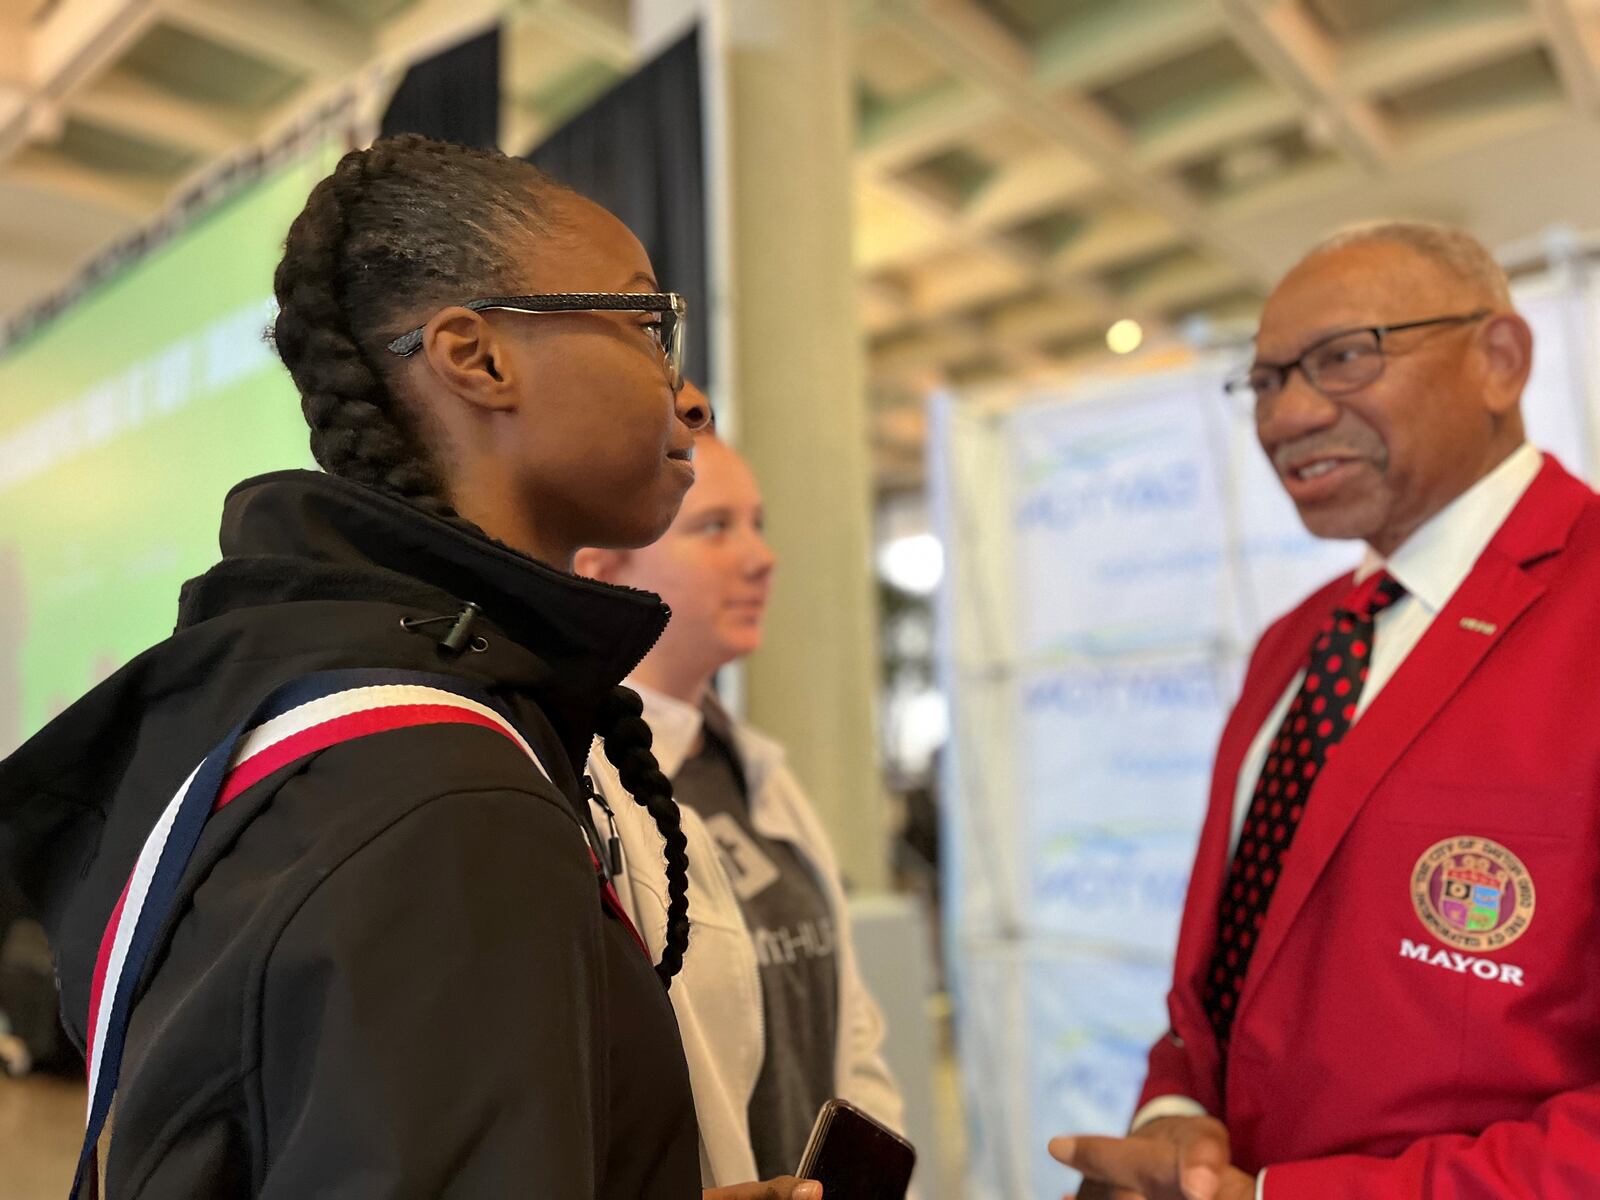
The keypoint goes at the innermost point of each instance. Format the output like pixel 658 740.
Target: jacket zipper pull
pixel 456 640
pixel 613 843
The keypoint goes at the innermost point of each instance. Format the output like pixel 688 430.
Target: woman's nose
pixel 693 409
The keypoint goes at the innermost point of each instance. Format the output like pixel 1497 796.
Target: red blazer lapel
pixel 1491 599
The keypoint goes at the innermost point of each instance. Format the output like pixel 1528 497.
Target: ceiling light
pixel 914 563
pixel 1125 336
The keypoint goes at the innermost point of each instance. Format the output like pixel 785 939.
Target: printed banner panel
pixel 1118 525
pixel 1115 770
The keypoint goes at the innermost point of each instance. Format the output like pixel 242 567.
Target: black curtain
pixel 638 152
pixel 453 96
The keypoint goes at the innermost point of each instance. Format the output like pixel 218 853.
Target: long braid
pixel 396 228
pixel 627 742
pixel 356 431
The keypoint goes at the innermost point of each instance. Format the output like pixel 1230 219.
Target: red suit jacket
pixel 1422 1013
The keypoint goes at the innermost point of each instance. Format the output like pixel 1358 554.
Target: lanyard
pixel 297 720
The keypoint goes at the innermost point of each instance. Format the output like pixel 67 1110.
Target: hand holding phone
pixel 855 1157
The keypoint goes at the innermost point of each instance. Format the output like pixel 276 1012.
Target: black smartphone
pixel 854 1157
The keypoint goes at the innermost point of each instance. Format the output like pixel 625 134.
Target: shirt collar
pixel 1432 562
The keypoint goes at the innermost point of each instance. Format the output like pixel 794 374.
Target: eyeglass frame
pixel 1241 383
pixel 547 303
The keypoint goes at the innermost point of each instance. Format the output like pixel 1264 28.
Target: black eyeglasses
pixel 1337 365
pixel 667 332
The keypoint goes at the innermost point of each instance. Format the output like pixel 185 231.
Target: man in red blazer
pixel 1388 972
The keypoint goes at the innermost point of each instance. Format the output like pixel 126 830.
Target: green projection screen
pixel 123 423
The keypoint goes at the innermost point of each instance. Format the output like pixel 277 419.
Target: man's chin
pixel 1335 524
pixel 740 641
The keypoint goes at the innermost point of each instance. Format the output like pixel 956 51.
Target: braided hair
pixel 407 223
pixel 627 745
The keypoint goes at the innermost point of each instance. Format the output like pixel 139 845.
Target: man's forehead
pixel 1363 284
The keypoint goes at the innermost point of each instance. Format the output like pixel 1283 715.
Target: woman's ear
pixel 462 349
pixel 604 565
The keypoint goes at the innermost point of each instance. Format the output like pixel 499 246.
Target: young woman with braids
pixel 390 970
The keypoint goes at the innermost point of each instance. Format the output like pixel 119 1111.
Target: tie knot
pixel 1372 595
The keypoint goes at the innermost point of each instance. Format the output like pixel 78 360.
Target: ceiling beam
pixel 1573 50
pixel 1116 236
pixel 938 344
pixel 430 26
pixel 919 128
pixel 1248 112
pixel 15 37
pixel 1122 39
pixel 40 258
pixel 1047 319
pixel 288 32
pixel 123 101
pixel 593 34
pixel 1289 48
pixel 882 303
pixel 1441 137
pixel 13 115
pixel 956 230
pixel 77 38
pixel 1186 283
pixel 1426 50
pixel 1030 186
pixel 21 12
pixel 55 174
pixel 1300 184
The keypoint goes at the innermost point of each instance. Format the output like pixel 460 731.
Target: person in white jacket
pixel 774 1015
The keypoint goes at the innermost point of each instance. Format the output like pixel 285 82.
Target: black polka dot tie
pixel 1318 718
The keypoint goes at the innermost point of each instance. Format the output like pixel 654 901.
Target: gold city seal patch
pixel 1472 893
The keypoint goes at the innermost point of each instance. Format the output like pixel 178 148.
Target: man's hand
pixel 1093 1189
pixel 1171 1158
pixel 786 1187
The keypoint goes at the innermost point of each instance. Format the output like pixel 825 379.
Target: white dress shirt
pixel 1431 564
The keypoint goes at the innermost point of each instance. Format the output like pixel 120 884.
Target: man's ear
pixel 464 351
pixel 1508 357
pixel 604 565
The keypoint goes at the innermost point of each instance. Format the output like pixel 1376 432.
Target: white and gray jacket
pixel 717 996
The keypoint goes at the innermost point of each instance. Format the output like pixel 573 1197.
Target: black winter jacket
pixel 389 973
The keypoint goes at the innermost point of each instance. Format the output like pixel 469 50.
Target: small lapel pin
pixel 1473 625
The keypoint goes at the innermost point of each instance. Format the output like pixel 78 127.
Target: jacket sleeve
pixel 1170 1072
pixel 428 1016
pixel 1554 1155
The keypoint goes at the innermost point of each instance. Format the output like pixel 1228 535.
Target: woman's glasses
pixel 668 332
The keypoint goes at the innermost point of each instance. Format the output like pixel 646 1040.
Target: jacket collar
pixel 1542 521
pixel 291 531
pixel 1434 560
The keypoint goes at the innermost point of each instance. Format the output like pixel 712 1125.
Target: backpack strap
pixel 299 719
